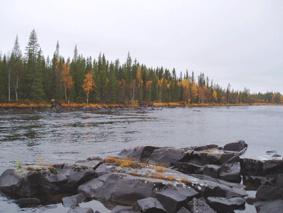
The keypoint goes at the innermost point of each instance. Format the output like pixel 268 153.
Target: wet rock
pixel 279 180
pixel 236 146
pixel 48 183
pixel 216 188
pixel 174 198
pixel 166 156
pixel 272 166
pixel 11 183
pixel 123 209
pixel 138 153
pixel 269 192
pixel 199 205
pixel 269 206
pixel 183 210
pixel 89 163
pixel 118 188
pixel 81 210
pixel 253 182
pixel 73 201
pixel 225 205
pixel 231 172
pixel 211 170
pixel 149 205
pixel 189 167
pixel 251 167
pixel 103 169
pixel 28 202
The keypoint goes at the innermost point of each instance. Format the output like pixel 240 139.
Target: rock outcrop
pixel 151 179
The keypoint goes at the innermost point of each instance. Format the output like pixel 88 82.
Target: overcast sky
pixel 236 41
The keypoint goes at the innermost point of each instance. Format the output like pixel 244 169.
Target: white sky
pixel 236 41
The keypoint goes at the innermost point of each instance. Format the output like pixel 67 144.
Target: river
pixel 42 136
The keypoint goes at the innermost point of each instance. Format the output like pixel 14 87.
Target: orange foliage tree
pixel 88 84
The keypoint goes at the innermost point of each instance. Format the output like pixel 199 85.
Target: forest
pixel 29 76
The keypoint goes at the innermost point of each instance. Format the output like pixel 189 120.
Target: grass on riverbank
pixel 23 105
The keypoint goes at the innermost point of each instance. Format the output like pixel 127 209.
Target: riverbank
pixel 42 105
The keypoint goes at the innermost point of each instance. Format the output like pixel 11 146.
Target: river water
pixel 42 136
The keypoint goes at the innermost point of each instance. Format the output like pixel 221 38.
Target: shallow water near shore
pixel 43 136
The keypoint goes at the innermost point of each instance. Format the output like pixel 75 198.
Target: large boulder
pixel 120 189
pixel 269 192
pixel 225 205
pixel 166 156
pixel 269 206
pixel 73 201
pixel 174 198
pixel 236 146
pixel 47 183
pixel 149 205
pixel 199 205
pixel 231 172
pixel 140 153
pixel 80 210
pixel 11 184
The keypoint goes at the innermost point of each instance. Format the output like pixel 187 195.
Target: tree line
pixel 31 76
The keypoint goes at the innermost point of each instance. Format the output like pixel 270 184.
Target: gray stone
pixel 269 206
pixel 73 201
pixel 221 204
pixel 231 172
pixel 199 206
pixel 149 205
pixel 80 210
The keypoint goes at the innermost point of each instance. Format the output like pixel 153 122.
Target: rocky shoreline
pixel 153 179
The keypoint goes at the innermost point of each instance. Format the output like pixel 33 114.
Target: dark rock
pixel 118 188
pixel 28 202
pixel 272 166
pixel 90 163
pixel 74 200
pixel 269 192
pixel 269 206
pixel 123 209
pixel 205 147
pixel 183 210
pixel 103 169
pixel 251 200
pixel 174 198
pixel 236 146
pixel 199 205
pixel 253 182
pixel 47 183
pixel 10 183
pixel 251 167
pixel 217 188
pixel 189 167
pixel 80 210
pixel 279 180
pixel 211 170
pixel 138 153
pixel 231 172
pixel 166 156
pixel 221 204
pixel 149 205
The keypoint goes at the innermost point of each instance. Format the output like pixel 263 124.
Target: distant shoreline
pixel 44 105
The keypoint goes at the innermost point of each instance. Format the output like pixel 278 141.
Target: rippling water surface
pixel 30 137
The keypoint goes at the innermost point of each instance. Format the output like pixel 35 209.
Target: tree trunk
pixel 66 98
pixel 87 98
pixel 16 89
pixel 9 85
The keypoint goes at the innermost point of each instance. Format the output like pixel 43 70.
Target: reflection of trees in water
pixel 22 128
